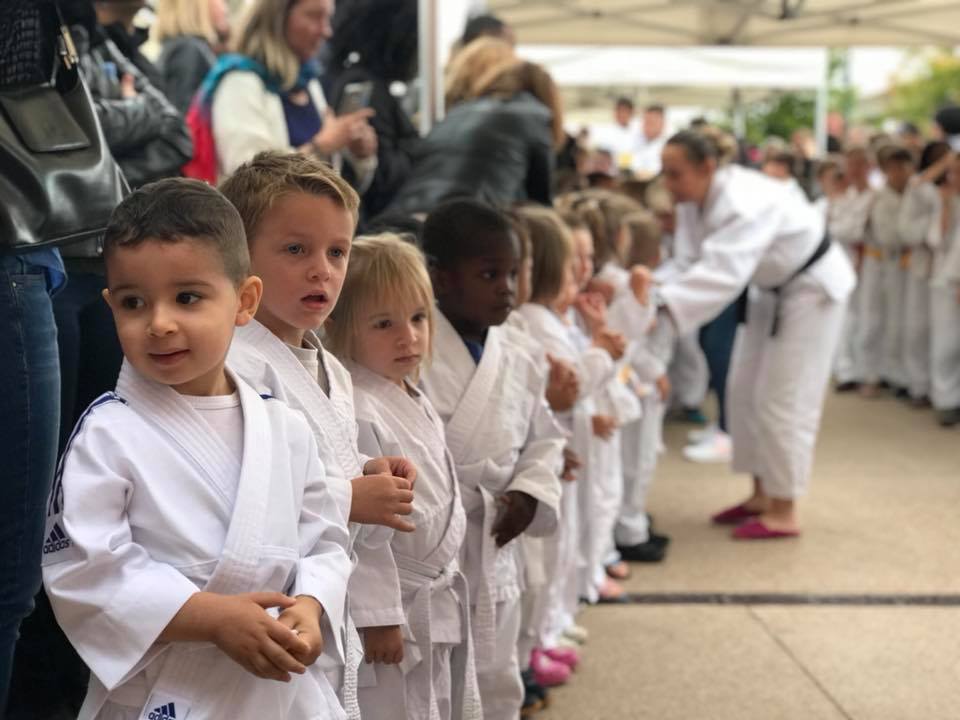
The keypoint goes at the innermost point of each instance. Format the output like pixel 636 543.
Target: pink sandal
pixel 546 671
pixel 756 530
pixel 735 515
pixel 567 656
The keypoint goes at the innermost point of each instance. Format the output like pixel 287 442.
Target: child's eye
pixel 131 303
pixel 489 275
pixel 337 252
pixel 420 317
pixel 187 298
pixel 295 249
pixel 382 324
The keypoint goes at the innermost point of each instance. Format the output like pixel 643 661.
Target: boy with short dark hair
pixel 187 506
pixel 507 449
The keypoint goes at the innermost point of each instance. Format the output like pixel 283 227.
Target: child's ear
pixel 249 294
pixel 441 280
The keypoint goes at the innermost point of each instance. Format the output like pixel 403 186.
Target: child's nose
pixel 320 269
pixel 161 322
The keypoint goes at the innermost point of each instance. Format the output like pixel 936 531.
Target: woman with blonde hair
pixel 266 95
pixel 472 63
pixel 188 31
pixel 497 144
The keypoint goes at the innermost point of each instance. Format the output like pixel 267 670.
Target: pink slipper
pixel 756 530
pixel 735 515
pixel 548 672
pixel 566 655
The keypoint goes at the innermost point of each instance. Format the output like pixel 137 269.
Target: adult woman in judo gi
pixel 754 239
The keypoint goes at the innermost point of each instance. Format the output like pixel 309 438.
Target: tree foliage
pixel 937 84
pixel 780 115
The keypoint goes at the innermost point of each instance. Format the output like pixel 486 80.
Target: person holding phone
pixel 266 95
pixel 368 56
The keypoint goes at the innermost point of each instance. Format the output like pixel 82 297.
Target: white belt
pixel 428 580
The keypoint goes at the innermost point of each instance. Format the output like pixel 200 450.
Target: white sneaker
pixel 716 449
pixel 700 435
pixel 577 633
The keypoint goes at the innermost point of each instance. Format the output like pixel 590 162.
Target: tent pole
pixel 431 74
pixel 739 116
pixel 822 108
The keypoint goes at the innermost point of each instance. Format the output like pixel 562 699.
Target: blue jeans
pixel 716 340
pixel 90 354
pixel 29 413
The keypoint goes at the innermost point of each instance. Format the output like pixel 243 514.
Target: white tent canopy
pixel 766 68
pixel 809 23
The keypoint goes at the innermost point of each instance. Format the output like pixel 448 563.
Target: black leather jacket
pixel 498 151
pixel 184 61
pixel 146 134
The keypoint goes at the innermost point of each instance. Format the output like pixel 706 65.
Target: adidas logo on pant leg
pixel 164 712
pixel 56 540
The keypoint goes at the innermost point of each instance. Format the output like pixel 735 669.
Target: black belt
pixel 742 301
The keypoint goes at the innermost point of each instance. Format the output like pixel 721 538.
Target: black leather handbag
pixel 58 181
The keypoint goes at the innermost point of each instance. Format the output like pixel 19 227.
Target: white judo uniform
pixel 503 438
pixel 539 555
pixel 151 506
pixel 749 232
pixel 882 282
pixel 848 225
pixel 917 215
pixel 945 308
pixel 374 597
pixel 688 370
pixel 622 399
pixel 575 545
pixel 649 355
pixel 437 679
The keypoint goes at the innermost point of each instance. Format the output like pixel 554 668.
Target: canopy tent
pixel 709 77
pixel 766 68
pixel 809 23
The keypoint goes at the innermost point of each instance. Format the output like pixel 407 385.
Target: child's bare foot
pixel 618 571
pixel 611 592
pixel 870 390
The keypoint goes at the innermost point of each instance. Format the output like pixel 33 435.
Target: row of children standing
pixel 346 478
pixel 901 331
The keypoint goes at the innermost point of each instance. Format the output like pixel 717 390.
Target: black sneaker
pixel 648 552
pixel 949 418
pixel 535 696
pixel 661 540
pixel 901 393
pixel 846 387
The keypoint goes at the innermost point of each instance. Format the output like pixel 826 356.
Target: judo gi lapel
pixel 323 413
pixel 469 412
pixel 241 550
pixel 168 410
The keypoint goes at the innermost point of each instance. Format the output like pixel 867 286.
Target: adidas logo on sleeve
pixel 164 712
pixel 57 540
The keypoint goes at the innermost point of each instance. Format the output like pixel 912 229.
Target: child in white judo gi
pixel 300 217
pixel 882 281
pixel 554 290
pixel 197 555
pixel 506 446
pixel 381 330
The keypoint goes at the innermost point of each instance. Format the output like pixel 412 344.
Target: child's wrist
pixel 313 603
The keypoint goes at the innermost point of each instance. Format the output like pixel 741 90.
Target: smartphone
pixel 356 96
